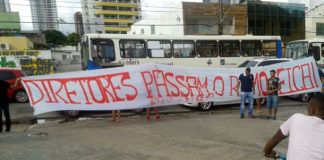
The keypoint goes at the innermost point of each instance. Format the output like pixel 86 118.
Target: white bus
pixel 112 50
pixel 305 48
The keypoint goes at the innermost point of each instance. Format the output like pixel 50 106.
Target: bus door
pixel 315 50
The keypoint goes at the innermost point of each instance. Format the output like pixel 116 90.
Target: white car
pixel 249 63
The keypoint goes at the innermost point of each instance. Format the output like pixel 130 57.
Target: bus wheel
pixel 305 97
pixel 205 106
pixel 72 113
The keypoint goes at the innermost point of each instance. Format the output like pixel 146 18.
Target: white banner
pixel 150 85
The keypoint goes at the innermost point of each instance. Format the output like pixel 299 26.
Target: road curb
pixel 33 119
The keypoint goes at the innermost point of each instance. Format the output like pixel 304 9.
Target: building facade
pixel 270 18
pixel 315 3
pixel 78 23
pixel 206 19
pixel 44 15
pixel 4 6
pixel 9 21
pixel 110 16
pixel 315 22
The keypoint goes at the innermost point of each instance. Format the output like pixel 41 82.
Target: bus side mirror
pixel 316 53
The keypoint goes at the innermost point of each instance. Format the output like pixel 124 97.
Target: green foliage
pixel 73 39
pixel 54 37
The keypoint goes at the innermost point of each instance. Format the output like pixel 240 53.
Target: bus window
pixel 229 48
pixel 103 50
pixel 251 48
pixel 132 48
pixel 183 49
pixel 207 48
pixel 159 49
pixel 269 48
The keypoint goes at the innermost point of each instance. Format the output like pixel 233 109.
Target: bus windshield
pixel 297 50
pixel 102 50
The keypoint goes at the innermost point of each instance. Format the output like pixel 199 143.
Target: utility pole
pixel 221 19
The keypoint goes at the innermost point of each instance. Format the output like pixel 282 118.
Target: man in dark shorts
pixel 4 103
pixel 247 91
pixel 273 86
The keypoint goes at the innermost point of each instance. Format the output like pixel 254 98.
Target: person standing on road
pixel 306 140
pixel 148 112
pixel 116 116
pixel 4 103
pixel 273 86
pixel 246 81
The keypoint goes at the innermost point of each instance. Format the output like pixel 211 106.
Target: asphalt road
pixel 217 134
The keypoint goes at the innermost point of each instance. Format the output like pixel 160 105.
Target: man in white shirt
pixel 306 134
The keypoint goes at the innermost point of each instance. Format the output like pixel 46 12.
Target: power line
pixel 165 25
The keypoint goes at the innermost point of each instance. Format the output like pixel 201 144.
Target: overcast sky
pixel 66 10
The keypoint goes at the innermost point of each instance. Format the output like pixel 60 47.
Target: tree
pixel 54 37
pixel 73 39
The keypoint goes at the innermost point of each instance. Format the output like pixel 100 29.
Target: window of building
pixel 229 48
pixel 269 48
pixel 251 48
pixel 207 48
pixel 320 29
pixel 132 48
pixel 159 49
pixel 183 49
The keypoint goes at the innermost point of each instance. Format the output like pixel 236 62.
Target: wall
pixel 17 43
pixel 31 64
pixel 11 17
pixel 203 19
pixel 314 16
pixel 66 55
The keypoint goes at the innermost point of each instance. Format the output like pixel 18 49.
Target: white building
pixel 315 22
pixel 110 16
pixel 66 55
pixel 172 25
pixel 315 3
pixel 168 21
pixel 4 6
pixel 44 15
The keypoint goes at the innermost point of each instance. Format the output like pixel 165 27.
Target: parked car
pixel 10 75
pixel 249 63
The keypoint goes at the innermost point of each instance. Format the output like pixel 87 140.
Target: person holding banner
pixel 4 103
pixel 273 86
pixel 305 132
pixel 246 81
pixel 148 112
pixel 116 116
